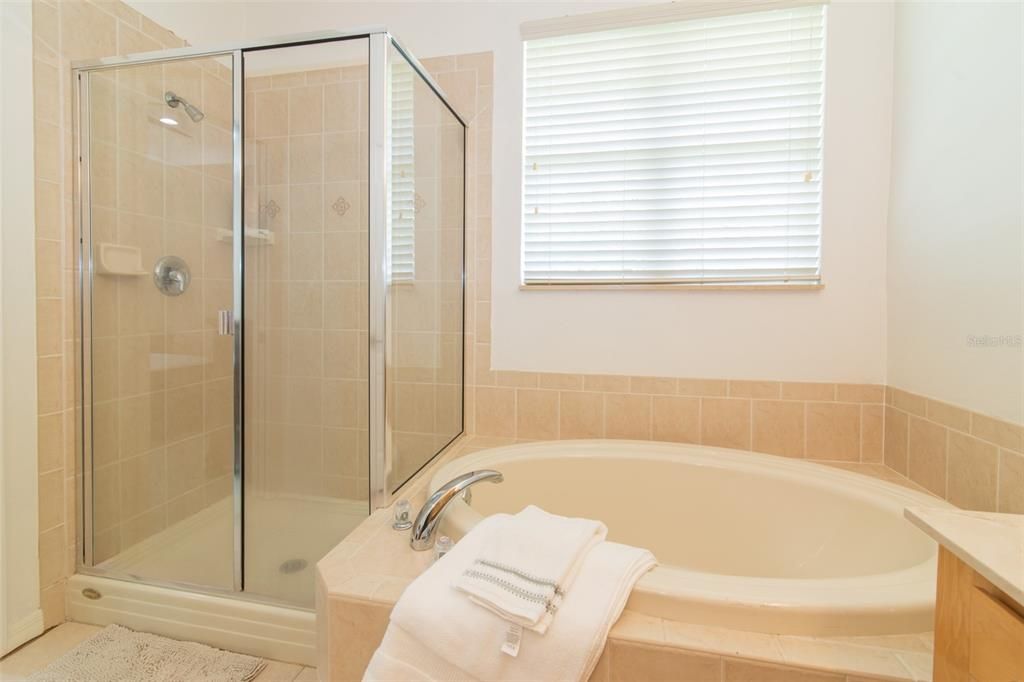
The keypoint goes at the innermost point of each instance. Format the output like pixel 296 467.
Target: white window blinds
pixel 403 174
pixel 683 152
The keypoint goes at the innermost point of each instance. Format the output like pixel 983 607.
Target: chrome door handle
pixel 225 322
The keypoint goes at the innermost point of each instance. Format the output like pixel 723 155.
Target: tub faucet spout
pixel 425 525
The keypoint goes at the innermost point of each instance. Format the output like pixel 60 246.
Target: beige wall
pixel 64 31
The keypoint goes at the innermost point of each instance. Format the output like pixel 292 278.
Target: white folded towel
pixel 437 634
pixel 523 572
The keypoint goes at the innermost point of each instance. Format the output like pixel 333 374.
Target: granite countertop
pixel 992 544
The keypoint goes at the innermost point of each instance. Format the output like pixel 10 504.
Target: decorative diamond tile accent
pixel 341 206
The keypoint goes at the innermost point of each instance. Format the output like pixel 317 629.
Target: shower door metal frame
pixel 379 451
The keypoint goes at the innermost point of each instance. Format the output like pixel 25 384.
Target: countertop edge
pixel 932 526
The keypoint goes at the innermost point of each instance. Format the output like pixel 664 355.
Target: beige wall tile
pixel 50 387
pixel 927 455
pixel 754 389
pixel 872 432
pixel 949 415
pixel 634 662
pixel 996 431
pixel 305 110
pixel 778 427
pixel 973 470
pixel 565 382
pixel 515 379
pixel 895 441
pixel 51 442
pixel 702 387
pixel 580 415
pixel 725 422
pixel 652 385
pixel 860 393
pixel 735 670
pixel 833 431
pixel 51 499
pixel 910 402
pixel 606 382
pixel 52 602
pixel 495 411
pixel 676 419
pixel 536 414
pixel 808 391
pixel 353 632
pixel 52 556
pixel 627 416
pixel 1011 482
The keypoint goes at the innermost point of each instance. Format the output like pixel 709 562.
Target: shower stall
pixel 271 306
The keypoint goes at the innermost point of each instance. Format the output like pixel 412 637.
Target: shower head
pixel 194 112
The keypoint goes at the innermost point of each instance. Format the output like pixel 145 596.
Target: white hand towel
pixel 523 572
pixel 436 633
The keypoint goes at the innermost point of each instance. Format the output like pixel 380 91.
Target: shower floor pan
pixel 196 551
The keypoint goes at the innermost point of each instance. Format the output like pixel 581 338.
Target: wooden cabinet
pixel 979 631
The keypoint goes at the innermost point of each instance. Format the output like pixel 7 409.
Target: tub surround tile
pixel 971 459
pixel 734 670
pixel 927 455
pixel 778 427
pixel 627 416
pixel 833 431
pixel 808 391
pixel 872 432
pixel 843 657
pixel 972 467
pixel 755 389
pixel 860 393
pixel 676 419
pixel 725 422
pixel 1011 483
pixel 630 662
pixel 897 426
pixel 581 415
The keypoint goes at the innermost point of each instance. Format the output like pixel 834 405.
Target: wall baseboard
pixel 25 629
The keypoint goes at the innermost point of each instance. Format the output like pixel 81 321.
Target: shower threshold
pixel 191 552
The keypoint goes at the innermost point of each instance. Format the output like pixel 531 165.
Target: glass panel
pixel 306 312
pixel 425 311
pixel 159 146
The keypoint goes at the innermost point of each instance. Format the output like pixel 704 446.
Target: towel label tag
pixel 513 637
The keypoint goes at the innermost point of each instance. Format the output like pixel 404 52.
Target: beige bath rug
pixel 117 654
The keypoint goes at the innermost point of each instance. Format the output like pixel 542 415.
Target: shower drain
pixel 292 566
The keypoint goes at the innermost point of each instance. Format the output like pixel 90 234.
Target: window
pixel 683 152
pixel 403 174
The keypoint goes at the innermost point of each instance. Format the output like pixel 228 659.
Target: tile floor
pixel 36 654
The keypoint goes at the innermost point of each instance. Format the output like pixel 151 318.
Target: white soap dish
pixel 117 259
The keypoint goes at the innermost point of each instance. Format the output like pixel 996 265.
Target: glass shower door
pixel 306 314
pixel 158 283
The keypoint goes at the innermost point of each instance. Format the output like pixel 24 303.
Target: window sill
pixel 673 287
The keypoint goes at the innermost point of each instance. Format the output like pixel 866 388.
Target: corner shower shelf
pixel 252 234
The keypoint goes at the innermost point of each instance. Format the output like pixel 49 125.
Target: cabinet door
pixel 996 640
